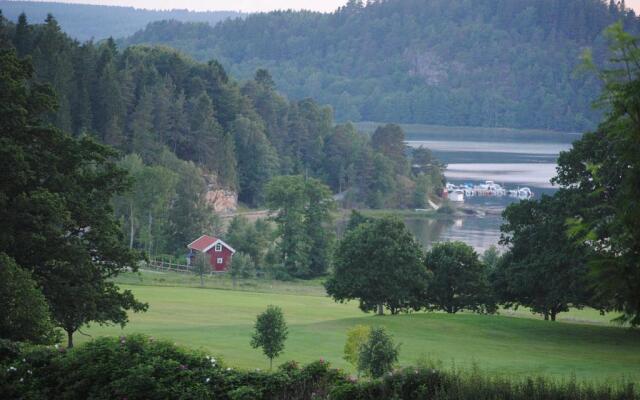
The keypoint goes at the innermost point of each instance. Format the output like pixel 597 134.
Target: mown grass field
pixel 220 321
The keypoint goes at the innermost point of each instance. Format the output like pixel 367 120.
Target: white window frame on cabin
pixel 218 247
pixel 219 261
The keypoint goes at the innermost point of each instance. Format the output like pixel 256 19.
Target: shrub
pixel 25 313
pixel 138 367
pixel 356 337
pixel 378 354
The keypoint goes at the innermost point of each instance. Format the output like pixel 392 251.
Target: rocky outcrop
pixel 222 201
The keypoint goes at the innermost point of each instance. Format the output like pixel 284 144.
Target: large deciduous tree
pixel 379 263
pixel 603 170
pixel 458 280
pixel 544 269
pixel 55 207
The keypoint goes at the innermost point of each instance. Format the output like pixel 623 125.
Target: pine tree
pixel 22 39
pixel 142 138
pixel 257 161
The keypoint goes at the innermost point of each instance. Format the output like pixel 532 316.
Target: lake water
pixel 511 160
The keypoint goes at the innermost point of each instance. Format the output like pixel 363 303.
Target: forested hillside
pixel 85 21
pixel 507 63
pixel 187 128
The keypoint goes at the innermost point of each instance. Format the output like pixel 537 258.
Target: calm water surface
pixel 513 162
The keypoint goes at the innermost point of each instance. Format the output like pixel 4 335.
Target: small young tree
pixel 241 267
pixel 378 354
pixel 270 333
pixel 356 338
pixel 201 267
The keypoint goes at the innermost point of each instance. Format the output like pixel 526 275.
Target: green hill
pixel 507 63
pixel 85 21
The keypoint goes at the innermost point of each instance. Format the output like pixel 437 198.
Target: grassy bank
pixel 222 281
pixel 221 322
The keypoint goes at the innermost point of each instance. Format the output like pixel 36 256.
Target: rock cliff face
pixel 220 199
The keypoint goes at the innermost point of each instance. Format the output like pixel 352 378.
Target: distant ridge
pixel 489 63
pixel 86 21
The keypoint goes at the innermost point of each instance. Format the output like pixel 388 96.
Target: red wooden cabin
pixel 218 252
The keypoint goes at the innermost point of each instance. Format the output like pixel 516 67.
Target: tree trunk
pixel 150 237
pixel 204 265
pixel 270 363
pixel 70 339
pixel 553 315
pixel 131 221
pixel 546 315
pixel 380 309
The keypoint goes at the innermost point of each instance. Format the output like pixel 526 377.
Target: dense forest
pixel 85 21
pixel 187 128
pixel 507 63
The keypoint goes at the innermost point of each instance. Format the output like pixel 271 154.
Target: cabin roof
pixel 205 243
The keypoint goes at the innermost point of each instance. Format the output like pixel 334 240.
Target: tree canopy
pixel 601 172
pixel 494 63
pixel 458 280
pixel 378 263
pixel 25 312
pixel 302 213
pixel 544 268
pixel 171 111
pixel 55 206
pixel 270 333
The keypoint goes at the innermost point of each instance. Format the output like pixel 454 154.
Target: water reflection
pixel 513 159
pixel 480 232
pixel 516 162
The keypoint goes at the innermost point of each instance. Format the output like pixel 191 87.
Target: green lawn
pixel 221 321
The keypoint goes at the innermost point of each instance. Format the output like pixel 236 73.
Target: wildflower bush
pixel 138 367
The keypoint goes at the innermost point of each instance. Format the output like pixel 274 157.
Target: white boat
pixel 521 193
pixel 457 193
pixel 456 196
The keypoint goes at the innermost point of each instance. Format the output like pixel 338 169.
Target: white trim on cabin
pixel 219 241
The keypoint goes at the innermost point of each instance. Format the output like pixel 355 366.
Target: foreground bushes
pixel 137 367
pixel 420 384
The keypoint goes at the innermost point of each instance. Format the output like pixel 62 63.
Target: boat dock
pixel 457 193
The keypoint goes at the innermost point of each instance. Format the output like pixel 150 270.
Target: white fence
pixel 166 266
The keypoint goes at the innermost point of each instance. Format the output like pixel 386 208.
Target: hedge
pixel 139 367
